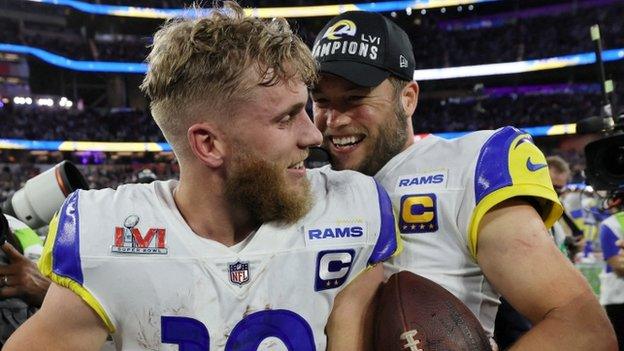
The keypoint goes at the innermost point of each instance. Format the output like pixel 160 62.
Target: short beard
pixel 390 142
pixel 260 188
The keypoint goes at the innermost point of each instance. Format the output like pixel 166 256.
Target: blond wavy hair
pixel 200 67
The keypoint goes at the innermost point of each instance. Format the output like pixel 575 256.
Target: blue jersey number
pixel 290 328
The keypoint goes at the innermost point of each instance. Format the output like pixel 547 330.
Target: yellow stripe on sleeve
pixel 552 214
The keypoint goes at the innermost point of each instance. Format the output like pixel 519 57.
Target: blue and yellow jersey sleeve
pixel 389 239
pixel 607 242
pixel 610 232
pixel 510 165
pixel 61 261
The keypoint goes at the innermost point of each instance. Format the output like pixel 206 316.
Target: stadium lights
pixel 20 100
pixel 268 12
pixel 422 74
pixel 493 69
pixel 45 102
pixel 64 102
pixel 76 65
pixel 39 101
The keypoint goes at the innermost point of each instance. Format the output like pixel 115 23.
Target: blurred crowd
pixel 545 34
pixel 39 123
pixel 480 111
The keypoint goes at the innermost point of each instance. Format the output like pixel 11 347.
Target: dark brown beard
pixel 390 142
pixel 261 189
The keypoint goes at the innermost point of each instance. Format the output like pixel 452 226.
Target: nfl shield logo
pixel 239 273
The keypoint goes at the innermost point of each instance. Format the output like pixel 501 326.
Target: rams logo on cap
pixel 339 29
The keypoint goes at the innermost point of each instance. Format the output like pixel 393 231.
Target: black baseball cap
pixel 364 48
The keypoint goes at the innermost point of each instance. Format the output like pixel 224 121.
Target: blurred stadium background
pixel 69 72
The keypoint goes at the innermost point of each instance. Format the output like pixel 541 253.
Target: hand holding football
pixel 416 314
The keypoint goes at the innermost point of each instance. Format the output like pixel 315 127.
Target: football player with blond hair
pixel 248 250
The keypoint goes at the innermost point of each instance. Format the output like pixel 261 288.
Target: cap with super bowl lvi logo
pixel 364 48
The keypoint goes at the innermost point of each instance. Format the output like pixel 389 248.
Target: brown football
pixel 416 314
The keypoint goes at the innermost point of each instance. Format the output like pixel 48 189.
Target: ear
pixel 207 144
pixel 409 98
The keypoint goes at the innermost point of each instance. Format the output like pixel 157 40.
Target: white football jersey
pixel 611 285
pixel 158 286
pixel 441 189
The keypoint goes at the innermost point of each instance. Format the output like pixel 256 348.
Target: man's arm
pixel 64 322
pixel 350 325
pixel 519 259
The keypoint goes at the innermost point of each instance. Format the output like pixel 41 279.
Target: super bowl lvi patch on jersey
pixel 129 238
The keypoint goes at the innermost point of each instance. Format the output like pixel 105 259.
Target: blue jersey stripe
pixel 578 213
pixel 607 241
pixel 66 252
pixel 387 241
pixel 492 171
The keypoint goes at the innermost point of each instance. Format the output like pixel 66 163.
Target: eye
pixel 355 98
pixel 319 101
pixel 287 119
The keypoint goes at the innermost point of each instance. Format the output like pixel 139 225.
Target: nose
pixel 310 135
pixel 336 119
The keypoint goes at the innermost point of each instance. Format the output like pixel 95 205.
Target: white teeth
pixel 298 165
pixel 343 141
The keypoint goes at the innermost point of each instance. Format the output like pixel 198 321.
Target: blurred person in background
pixel 611 233
pixel 570 241
pixel 145 176
pixel 559 171
pixel 22 286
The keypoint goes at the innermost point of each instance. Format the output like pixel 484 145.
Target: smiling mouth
pixel 298 165
pixel 345 142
